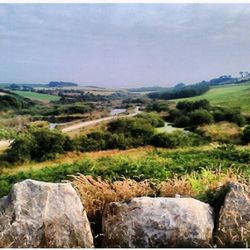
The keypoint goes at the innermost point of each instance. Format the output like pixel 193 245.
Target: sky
pixel 123 45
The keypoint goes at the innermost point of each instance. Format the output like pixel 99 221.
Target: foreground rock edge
pixel 41 214
pixel 158 222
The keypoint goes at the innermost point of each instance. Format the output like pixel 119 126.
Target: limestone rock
pixel 158 222
pixel 40 214
pixel 234 217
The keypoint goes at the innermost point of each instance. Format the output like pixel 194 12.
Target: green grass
pixel 157 164
pixel 37 96
pixel 227 95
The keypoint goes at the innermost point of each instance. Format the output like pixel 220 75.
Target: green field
pixel 227 96
pixel 37 96
pixel 142 163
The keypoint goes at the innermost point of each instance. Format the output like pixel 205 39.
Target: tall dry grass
pixel 96 193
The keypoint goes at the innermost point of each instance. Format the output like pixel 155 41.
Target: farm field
pixel 93 90
pixel 37 96
pixel 227 96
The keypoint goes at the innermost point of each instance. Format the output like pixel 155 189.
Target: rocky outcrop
pixel 158 222
pixel 234 217
pixel 39 214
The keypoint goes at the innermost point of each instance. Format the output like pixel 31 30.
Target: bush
pixel 6 133
pixel 21 147
pixel 182 121
pixel 230 115
pixel 158 106
pixel 200 117
pixel 136 128
pixel 121 134
pixel 175 139
pixel 38 144
pixel 191 106
pixel 93 141
pixel 234 115
pixel 119 141
pixel 152 118
pixel 174 114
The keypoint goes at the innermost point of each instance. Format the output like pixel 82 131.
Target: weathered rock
pixel 234 217
pixel 40 214
pixel 158 222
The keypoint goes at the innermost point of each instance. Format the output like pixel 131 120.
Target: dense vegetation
pixel 157 164
pixel 39 143
pixel 183 92
pixel 194 114
pixel 10 101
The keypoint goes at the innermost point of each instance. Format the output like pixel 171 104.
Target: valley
pixel 190 146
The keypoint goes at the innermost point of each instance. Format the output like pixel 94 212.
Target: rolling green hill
pixel 233 95
pixel 37 96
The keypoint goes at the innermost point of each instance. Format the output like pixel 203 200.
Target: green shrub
pixel 6 133
pixel 136 128
pixel 234 115
pixel 38 144
pixel 175 139
pixel 201 117
pixel 229 114
pixel 152 118
pixel 21 147
pixel 93 141
pixel 188 106
pixel 182 121
pixel 158 106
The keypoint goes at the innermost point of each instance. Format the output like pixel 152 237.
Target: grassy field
pixel 37 96
pixel 139 164
pixel 228 96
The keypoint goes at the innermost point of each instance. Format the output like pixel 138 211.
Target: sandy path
pixel 4 144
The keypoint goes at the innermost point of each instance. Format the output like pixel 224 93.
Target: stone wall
pixel 40 214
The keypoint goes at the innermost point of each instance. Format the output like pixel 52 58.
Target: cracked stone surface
pixel 40 214
pixel 234 217
pixel 158 222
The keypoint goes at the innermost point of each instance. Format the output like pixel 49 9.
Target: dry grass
pixel 95 194
pixel 222 131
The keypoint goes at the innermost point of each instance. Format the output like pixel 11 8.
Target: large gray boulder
pixel 234 217
pixel 40 214
pixel 158 222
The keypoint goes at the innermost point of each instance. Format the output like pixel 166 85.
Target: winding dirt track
pixel 94 122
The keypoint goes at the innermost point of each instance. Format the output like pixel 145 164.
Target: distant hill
pixel 94 87
pixel 148 89
pixel 180 85
pixel 29 86
pixel 61 84
pixel 181 90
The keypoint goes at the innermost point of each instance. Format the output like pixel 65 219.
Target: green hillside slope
pixel 227 96
pixel 37 96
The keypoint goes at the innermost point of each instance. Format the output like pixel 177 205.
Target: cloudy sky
pixel 123 45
